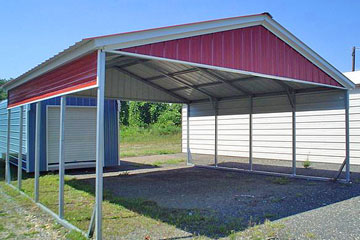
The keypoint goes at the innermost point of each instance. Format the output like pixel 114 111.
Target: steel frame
pixel 37 151
pixel 19 176
pixel 97 219
pixel 62 156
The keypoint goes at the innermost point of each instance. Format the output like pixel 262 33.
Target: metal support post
pixel 37 151
pixel 7 161
pixel 347 135
pixel 100 142
pixel 62 156
pixel 21 120
pixel 251 134
pixel 189 160
pixel 294 134
pixel 119 125
pixel 216 132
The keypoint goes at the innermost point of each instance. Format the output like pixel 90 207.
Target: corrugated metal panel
pixel 320 128
pixel 72 76
pixel 253 49
pixel 14 133
pixel 111 129
pixel 121 86
pixel 80 134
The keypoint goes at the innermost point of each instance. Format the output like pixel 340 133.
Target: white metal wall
pixel 80 135
pixel 319 121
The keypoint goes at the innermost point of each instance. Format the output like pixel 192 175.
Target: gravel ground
pixel 26 221
pixel 308 209
pixel 335 221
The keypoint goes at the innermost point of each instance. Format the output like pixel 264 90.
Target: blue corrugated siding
pixel 111 129
pixel 14 133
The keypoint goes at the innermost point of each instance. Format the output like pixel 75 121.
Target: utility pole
pixel 353 58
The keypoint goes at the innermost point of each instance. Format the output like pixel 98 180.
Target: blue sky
pixel 32 31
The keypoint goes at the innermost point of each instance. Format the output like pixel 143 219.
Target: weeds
pixel 307 163
pixel 280 180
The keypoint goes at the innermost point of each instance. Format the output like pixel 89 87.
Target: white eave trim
pixel 176 32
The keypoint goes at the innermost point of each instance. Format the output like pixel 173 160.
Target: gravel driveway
pixel 308 209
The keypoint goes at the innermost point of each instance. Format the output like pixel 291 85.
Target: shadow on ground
pixel 215 203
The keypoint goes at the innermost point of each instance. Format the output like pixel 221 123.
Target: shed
pixel 81 134
pixel 248 64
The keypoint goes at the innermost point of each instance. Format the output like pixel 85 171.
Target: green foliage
pixel 3 95
pixel 161 116
pixel 124 113
pixel 307 162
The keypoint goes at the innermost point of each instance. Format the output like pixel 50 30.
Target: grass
pixel 174 161
pixel 148 141
pixel 268 230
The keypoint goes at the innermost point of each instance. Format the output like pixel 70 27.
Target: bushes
pixel 150 118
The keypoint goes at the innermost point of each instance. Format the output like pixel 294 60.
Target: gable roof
pixel 137 38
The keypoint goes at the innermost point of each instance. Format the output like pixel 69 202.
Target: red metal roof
pixel 252 49
pixel 70 77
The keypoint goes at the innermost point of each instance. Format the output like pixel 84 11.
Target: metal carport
pixel 243 61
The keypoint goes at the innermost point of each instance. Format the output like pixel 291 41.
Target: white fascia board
pixel 78 50
pixel 307 52
pixel 176 32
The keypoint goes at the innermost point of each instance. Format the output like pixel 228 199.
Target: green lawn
pixel 142 142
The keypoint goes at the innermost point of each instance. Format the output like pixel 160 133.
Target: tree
pixel 3 95
pixel 124 113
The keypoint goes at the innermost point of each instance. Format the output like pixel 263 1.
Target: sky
pixel 32 31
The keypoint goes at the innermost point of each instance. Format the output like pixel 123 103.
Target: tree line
pixel 145 114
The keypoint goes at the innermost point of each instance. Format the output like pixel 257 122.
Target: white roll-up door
pixel 80 136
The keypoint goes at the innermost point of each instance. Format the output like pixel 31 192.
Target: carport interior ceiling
pixel 133 78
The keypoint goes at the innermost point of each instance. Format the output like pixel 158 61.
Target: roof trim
pixel 178 25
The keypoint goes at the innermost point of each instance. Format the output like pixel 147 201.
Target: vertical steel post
pixel 189 160
pixel 100 142
pixel 7 161
pixel 251 134
pixel 37 151
pixel 119 125
pixel 62 156
pixel 21 121
pixel 216 133
pixel 347 135
pixel 294 135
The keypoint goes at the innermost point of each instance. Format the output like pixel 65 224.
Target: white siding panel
pixel 80 134
pixel 320 128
